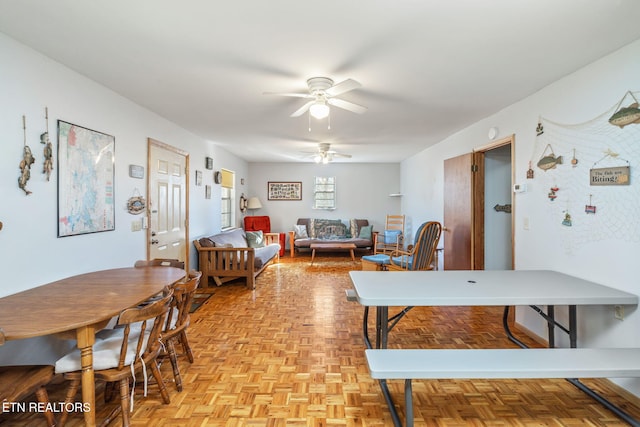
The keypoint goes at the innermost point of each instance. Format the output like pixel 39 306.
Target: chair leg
pixel 185 345
pixel 155 370
pixel 124 402
pixel 171 351
pixel 43 397
pixel 74 384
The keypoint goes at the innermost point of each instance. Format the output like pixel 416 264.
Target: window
pixel 227 195
pixel 324 192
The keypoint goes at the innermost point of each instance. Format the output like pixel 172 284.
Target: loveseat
pixel 236 254
pixel 311 230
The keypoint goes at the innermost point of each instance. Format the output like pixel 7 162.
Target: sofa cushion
pixel 265 254
pixel 255 239
pixel 365 232
pixel 329 229
pixel 233 237
pixel 301 231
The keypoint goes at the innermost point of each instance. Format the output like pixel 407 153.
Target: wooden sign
pixel 610 176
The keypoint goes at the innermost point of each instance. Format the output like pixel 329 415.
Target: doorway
pixel 168 212
pixel 477 234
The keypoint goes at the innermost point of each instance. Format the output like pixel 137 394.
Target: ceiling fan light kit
pixel 319 110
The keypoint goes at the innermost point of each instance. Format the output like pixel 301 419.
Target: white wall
pixel 32 254
pixel 362 191
pixel 611 261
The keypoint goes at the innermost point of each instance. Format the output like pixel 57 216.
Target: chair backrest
pixel 160 262
pixel 257 223
pixel 142 327
pixel 395 222
pixel 425 245
pixel 183 293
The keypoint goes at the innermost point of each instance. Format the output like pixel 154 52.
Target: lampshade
pixel 254 203
pixel 319 110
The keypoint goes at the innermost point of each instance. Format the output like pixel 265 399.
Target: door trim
pixel 477 234
pixel 155 143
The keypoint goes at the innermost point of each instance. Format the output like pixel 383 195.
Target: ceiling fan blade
pixel 346 156
pixel 302 109
pixel 296 95
pixel 342 87
pixel 346 105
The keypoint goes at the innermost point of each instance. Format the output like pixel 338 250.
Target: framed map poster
pixel 86 178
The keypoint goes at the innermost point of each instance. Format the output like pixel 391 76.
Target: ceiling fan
pixel 325 154
pixel 323 93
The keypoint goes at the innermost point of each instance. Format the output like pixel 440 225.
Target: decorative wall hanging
pixel 539 128
pixel 198 178
pixel 208 163
pixel 617 175
pixel 284 190
pixel 136 171
pixel 567 219
pixel 207 191
pixel 26 162
pixel 596 142
pixel 552 193
pixel 243 203
pixel 574 161
pixel 590 209
pixel 86 177
pixel 217 177
pixel 530 173
pixel 136 203
pixel 47 167
pixel 626 115
pixel 550 160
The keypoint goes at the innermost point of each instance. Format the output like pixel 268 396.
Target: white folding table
pixel 382 289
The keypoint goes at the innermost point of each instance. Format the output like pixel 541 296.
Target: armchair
pixel 263 223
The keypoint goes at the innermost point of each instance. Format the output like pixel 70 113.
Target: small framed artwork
pixel 208 163
pixel 198 178
pixel 207 191
pixel 284 190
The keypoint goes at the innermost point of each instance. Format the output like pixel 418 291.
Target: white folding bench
pixel 409 364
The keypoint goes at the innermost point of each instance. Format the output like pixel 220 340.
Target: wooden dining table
pixel 79 306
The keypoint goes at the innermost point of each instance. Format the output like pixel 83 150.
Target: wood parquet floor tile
pixel 290 353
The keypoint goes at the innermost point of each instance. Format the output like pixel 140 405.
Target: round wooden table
pixel 79 306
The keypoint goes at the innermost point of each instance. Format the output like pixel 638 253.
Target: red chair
pixel 262 223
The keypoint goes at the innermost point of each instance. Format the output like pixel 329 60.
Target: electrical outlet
pixel 525 223
pixel 619 312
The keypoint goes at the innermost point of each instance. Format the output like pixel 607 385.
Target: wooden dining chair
pixel 178 319
pixel 160 262
pixel 18 382
pixel 422 253
pixel 121 353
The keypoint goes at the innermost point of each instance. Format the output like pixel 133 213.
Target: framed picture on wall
pixel 86 176
pixel 284 190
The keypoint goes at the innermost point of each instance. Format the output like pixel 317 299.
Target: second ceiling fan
pixel 323 93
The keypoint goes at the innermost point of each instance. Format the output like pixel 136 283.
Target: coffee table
pixel 330 246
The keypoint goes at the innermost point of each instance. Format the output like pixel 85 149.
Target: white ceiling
pixel 428 68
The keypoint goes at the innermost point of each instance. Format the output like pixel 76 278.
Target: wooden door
pixel 458 212
pixel 168 183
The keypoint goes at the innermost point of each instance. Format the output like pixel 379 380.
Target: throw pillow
pixel 255 239
pixel 301 231
pixel 365 232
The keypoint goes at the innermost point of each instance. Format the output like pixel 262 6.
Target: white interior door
pixel 168 183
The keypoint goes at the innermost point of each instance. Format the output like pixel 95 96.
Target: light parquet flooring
pixel 291 353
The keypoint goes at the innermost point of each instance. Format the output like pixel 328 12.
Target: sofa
pixel 310 230
pixel 236 254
